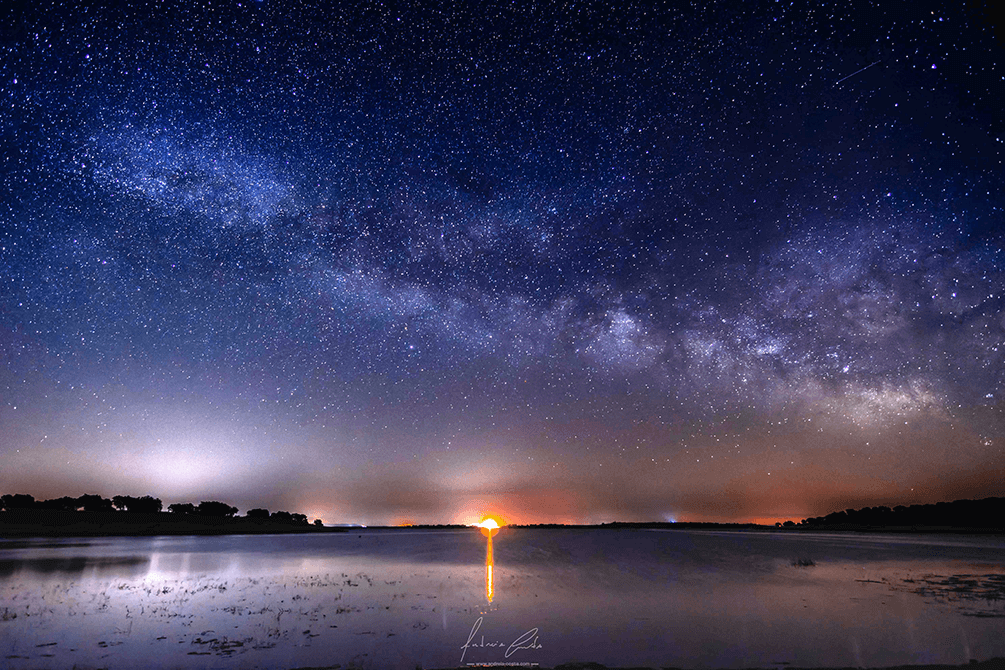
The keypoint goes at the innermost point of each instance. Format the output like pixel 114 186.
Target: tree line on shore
pixel 145 505
pixel 984 513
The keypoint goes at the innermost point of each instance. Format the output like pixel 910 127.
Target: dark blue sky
pixel 557 261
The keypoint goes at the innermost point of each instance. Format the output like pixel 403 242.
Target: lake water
pixel 427 598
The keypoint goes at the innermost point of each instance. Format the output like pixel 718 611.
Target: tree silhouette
pixel 215 508
pixel 286 517
pixel 985 513
pixel 144 505
pixel 64 504
pixel 181 508
pixel 17 501
pixel 94 503
pixel 123 504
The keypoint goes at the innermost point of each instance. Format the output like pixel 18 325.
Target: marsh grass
pixel 803 563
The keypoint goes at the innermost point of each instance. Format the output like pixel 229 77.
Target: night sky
pixel 560 262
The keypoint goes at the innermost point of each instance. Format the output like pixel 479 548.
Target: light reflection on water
pixel 489 531
pixel 402 598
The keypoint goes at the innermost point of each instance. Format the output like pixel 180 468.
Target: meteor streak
pixel 856 72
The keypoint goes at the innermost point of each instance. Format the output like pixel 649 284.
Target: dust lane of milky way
pixel 553 262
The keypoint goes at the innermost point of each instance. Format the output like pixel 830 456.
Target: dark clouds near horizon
pixel 561 261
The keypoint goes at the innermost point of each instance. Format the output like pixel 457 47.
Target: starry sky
pixel 558 261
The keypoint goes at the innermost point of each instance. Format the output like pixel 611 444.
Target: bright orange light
pixel 489 527
pixel 478 512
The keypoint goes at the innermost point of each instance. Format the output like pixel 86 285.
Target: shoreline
pixel 28 523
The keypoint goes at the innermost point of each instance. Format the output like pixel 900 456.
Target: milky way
pixel 563 262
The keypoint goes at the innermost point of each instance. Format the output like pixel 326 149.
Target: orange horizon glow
pixel 489 528
pixel 477 514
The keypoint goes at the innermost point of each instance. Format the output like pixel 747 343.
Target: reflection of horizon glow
pixel 489 582
pixel 489 565
pixel 489 527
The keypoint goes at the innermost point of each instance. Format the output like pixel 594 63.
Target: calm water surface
pixel 402 599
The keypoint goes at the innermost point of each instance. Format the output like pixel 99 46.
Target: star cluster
pixel 566 261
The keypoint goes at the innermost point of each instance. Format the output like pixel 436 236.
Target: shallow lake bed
pixel 407 598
